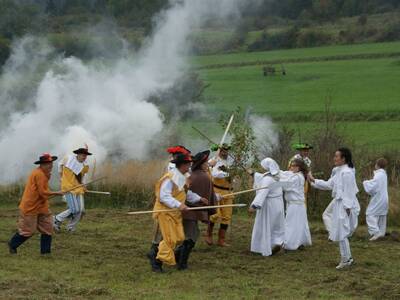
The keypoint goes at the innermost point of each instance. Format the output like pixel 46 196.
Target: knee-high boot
pixel 156 265
pixel 187 247
pixel 16 241
pixel 45 244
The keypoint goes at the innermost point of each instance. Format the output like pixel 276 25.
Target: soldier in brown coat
pixel 201 184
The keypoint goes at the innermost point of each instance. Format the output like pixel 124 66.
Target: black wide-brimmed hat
pixel 82 151
pixel 200 158
pixel 181 158
pixel 45 158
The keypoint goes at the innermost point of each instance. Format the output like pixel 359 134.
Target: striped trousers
pixel 76 208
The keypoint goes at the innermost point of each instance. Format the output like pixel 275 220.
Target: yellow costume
pixel 224 215
pixel 69 180
pixel 170 223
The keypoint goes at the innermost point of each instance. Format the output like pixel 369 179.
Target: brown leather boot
pixel 209 235
pixel 221 238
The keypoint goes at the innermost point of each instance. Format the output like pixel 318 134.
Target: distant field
pixel 365 92
pixel 207 60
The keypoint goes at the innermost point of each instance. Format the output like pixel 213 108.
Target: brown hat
pixel 200 158
pixel 45 158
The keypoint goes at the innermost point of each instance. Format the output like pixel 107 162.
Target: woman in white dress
pixel 345 206
pixel 269 225
pixel 297 231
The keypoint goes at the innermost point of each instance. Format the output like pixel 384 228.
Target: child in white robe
pixel 378 207
pixel 297 231
pixel 269 225
pixel 345 206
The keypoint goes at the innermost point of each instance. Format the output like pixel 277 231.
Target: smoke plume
pixel 51 103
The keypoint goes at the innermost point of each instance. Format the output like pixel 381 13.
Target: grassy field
pixel 365 92
pixel 105 259
pixel 301 53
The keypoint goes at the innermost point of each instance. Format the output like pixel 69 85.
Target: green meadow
pixel 364 88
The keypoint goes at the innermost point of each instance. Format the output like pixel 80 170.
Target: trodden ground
pixel 105 259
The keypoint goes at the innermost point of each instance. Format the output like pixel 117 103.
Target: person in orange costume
pixel 34 207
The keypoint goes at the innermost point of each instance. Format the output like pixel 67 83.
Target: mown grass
pixel 105 259
pixel 365 95
pixel 355 86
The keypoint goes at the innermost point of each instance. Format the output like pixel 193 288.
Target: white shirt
pixel 273 190
pixel 71 162
pixel 377 188
pixel 216 172
pixel 167 199
pixel 343 185
pixel 293 185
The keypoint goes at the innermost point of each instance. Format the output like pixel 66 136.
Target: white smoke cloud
pixel 266 134
pixel 52 103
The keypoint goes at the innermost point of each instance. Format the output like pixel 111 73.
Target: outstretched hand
pixel 183 207
pixel 204 201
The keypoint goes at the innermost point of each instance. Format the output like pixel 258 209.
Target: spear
pixel 81 185
pixel 245 191
pixel 190 208
pixel 98 192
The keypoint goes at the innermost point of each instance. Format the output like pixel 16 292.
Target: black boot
pixel 156 265
pixel 178 252
pixel 187 247
pixel 16 241
pixel 45 244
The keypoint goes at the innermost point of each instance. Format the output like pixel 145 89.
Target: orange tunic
pixel 35 199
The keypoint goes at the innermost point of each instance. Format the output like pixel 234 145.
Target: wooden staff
pixel 229 153
pixel 226 130
pixel 245 191
pixel 80 185
pixel 190 208
pixel 98 192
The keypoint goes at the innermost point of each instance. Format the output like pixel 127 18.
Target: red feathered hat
pixel 178 149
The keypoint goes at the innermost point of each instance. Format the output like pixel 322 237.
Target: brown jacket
pixel 202 185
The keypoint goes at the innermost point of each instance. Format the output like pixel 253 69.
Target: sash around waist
pixel 222 188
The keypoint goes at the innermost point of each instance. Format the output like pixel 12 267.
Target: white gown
pixel 344 190
pixel 269 224
pixel 297 231
pixel 377 188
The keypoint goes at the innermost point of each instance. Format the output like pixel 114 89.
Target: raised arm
pixel 371 186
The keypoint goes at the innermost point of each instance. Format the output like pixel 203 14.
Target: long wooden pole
pixel 229 153
pixel 190 208
pixel 98 192
pixel 244 192
pixel 226 130
pixel 80 185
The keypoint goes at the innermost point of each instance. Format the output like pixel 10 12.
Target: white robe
pixel 297 231
pixel 344 190
pixel 377 188
pixel 269 224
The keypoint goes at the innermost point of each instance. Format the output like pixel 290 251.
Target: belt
pixel 298 202
pixel 223 188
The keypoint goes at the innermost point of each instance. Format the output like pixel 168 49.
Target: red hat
pixel 178 149
pixel 45 158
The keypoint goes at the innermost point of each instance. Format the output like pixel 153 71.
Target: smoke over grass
pixel 55 103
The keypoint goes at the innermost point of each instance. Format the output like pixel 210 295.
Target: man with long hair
pixel 345 206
